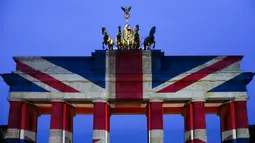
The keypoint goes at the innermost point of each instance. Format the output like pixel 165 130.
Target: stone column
pixel 101 122
pixel 61 123
pixel 155 122
pixel 242 126
pixel 227 122
pixel 194 122
pixel 22 123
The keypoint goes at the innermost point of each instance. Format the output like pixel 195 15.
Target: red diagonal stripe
pixel 95 140
pixel 47 79
pixel 194 77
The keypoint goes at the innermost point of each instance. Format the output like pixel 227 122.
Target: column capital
pixel 62 101
pixel 100 100
pixel 13 99
pixel 198 100
pixel 22 101
pixel 240 99
pixel 227 102
pixel 155 100
pixel 57 100
pixel 30 103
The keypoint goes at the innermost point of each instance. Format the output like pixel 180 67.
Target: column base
pixel 156 136
pixel 196 136
pixel 101 136
pixel 20 136
pixel 60 136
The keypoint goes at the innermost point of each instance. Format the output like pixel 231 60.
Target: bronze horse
pixel 119 40
pixel 136 38
pixel 148 41
pixel 107 40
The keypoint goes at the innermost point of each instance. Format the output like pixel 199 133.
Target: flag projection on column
pixel 101 123
pixel 28 122
pixel 22 124
pixel 124 75
pixel 61 123
pixel 228 123
pixel 13 131
pixel 195 123
pixel 242 127
pixel 155 122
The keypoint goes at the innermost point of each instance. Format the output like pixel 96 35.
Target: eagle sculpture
pixel 126 10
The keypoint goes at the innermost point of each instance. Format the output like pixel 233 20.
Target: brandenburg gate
pixel 128 80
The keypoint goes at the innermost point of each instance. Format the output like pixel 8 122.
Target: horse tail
pixel 145 43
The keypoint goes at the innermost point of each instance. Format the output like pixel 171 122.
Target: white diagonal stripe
pixel 181 76
pixel 213 80
pixel 199 89
pixel 67 77
pixel 36 81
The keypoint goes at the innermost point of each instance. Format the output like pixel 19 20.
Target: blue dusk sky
pixel 73 28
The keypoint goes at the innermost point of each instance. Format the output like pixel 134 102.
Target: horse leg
pixel 138 45
pixel 111 46
pixel 149 46
pixel 118 47
pixel 154 45
pixel 103 45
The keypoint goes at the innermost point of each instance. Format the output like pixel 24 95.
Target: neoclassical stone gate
pixel 128 82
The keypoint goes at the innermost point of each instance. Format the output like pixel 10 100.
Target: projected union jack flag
pixel 128 75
